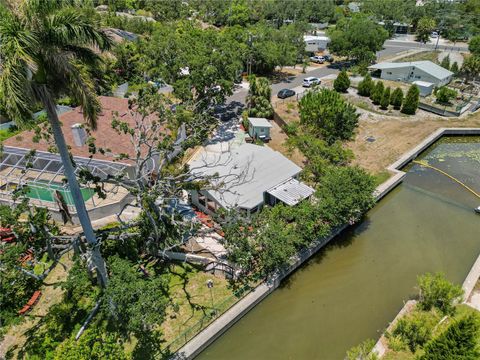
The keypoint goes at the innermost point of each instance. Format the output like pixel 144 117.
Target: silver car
pixel 310 81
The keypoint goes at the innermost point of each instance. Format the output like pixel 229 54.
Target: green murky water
pixel 351 289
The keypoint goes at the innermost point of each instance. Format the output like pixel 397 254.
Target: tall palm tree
pixel 45 47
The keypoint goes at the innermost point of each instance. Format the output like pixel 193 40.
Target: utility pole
pixel 210 286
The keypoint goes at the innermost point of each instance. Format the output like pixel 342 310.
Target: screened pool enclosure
pixel 42 175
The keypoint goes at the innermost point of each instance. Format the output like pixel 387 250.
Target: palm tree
pixel 45 49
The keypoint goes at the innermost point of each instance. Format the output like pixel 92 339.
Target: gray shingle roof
pixel 429 67
pixel 245 172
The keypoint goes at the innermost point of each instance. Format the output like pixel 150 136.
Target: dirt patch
pixel 420 56
pixel 278 141
pixel 393 136
pixel 389 133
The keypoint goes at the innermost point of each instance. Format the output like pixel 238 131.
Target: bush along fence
pixel 439 110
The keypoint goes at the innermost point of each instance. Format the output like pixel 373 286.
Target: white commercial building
pixel 315 43
pixel 425 71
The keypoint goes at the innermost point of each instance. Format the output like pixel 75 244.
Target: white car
pixel 317 59
pixel 309 81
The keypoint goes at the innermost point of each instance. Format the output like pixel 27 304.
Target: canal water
pixel 351 289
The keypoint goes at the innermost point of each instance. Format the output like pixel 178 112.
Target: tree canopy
pixel 327 114
pixel 357 38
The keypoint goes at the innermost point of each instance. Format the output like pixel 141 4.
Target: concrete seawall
pixel 220 325
pixel 380 347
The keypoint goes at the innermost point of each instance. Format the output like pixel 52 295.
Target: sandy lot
pixel 392 134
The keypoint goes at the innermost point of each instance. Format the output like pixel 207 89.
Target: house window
pixel 211 205
pixel 202 200
pixel 262 130
pixel 417 77
pixel 389 72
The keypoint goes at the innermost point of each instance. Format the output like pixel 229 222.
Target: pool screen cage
pixel 43 173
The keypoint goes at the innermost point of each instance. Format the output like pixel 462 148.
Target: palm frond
pixel 70 79
pixel 68 26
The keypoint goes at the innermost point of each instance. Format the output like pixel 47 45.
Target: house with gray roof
pixel 425 71
pixel 245 177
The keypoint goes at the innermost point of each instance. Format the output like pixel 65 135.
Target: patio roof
pixel 20 166
pixel 291 192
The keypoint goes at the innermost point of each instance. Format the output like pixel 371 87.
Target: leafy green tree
pixel 474 45
pixel 436 291
pixel 446 62
pixel 425 27
pixel 397 98
pixel 410 103
pixel 358 38
pixel 365 87
pixel 385 99
pixel 56 41
pixel 326 113
pixel 471 67
pixel 92 345
pixel 342 82
pixel 319 155
pixel 459 341
pixel 238 13
pixel 201 65
pixel 454 68
pixel 258 98
pixel 445 94
pixel 345 194
pixel 415 330
pixel 377 93
pixel 167 10
pixel 132 303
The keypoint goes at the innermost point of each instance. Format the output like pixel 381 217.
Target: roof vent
pixel 79 134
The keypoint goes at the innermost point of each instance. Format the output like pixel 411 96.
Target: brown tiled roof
pixel 105 136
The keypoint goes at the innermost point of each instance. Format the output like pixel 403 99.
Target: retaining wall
pixel 219 326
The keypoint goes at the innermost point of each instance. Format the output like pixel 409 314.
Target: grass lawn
pixel 191 302
pixel 421 56
pixel 8 133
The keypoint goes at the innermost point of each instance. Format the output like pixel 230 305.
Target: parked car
pixel 328 58
pixel 309 81
pixel 285 93
pixel 317 59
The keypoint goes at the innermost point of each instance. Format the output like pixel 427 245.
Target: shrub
pixel 410 103
pixel 327 114
pixel 397 98
pixel 362 351
pixel 377 93
pixel 436 291
pixel 365 86
pixel 445 94
pixel 454 68
pixel 415 330
pixel 446 62
pixel 474 45
pixel 342 82
pixel 385 99
pixel 459 341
